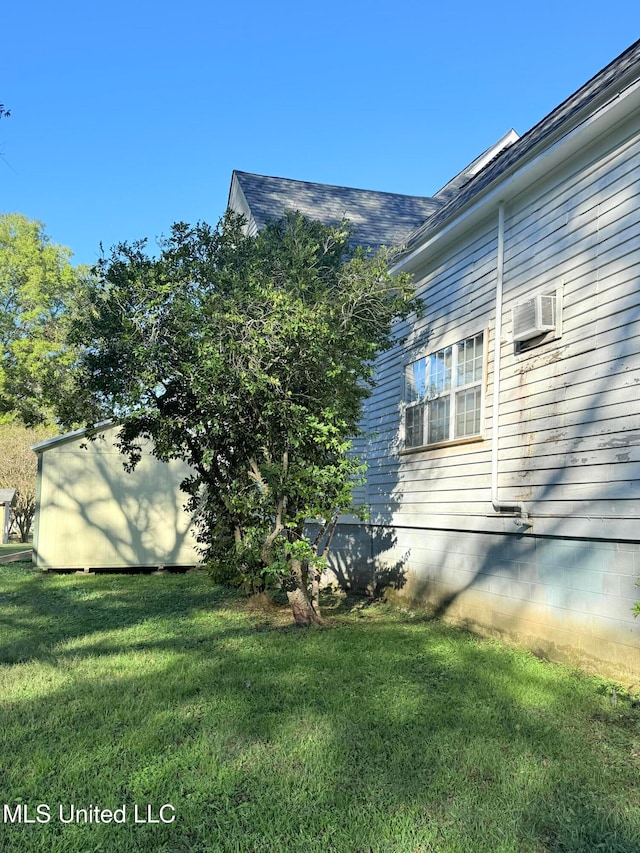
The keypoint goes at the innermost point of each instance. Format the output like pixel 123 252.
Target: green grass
pixel 384 732
pixel 14 547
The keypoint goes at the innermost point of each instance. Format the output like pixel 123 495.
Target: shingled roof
pixel 392 219
pixel 377 218
pixel 451 189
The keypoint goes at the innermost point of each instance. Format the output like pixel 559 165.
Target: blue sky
pixel 128 117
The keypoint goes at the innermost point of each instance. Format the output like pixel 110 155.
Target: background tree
pixel 249 358
pixel 18 466
pixel 37 287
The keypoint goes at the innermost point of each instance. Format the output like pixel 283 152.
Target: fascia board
pixel 72 436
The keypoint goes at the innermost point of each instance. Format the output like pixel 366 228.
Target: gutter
pixel 498 504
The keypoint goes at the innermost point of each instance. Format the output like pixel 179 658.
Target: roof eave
pixel 620 102
pixel 71 436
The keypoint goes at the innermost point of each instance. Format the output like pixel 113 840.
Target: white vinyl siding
pixel 569 441
pixel 568 416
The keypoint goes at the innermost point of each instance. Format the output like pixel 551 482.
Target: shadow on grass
pixel 384 733
pixel 42 610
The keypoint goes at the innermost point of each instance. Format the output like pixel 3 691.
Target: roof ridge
pixel 377 217
pixel 331 186
pixel 476 165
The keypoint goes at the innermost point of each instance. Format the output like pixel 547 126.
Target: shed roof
pixel 7 496
pixel 71 436
pixel 378 218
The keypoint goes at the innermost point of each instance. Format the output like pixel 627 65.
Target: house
pixel 504 431
pixel 504 449
pixel 7 498
pixel 92 514
pixel 504 457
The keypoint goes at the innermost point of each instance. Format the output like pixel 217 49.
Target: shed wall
pixel 93 514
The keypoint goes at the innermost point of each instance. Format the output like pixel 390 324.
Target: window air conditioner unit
pixel 534 317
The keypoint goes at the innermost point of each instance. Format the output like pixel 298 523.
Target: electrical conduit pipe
pixel 498 504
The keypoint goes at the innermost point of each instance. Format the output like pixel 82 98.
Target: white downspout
pixel 499 505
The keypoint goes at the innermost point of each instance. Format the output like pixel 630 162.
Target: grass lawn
pixel 385 732
pixel 14 547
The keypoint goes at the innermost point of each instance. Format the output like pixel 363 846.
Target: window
pixel 443 394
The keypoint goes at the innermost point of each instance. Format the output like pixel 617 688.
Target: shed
pixel 7 497
pixel 93 514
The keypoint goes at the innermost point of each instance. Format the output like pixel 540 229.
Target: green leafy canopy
pixel 249 357
pixel 38 286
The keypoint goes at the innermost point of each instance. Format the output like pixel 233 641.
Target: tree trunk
pixel 23 521
pixel 302 609
pixel 315 594
pixel 304 612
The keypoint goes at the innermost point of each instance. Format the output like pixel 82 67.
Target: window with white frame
pixel 444 394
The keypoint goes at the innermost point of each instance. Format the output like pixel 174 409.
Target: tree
pixel 250 358
pixel 18 467
pixel 37 287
